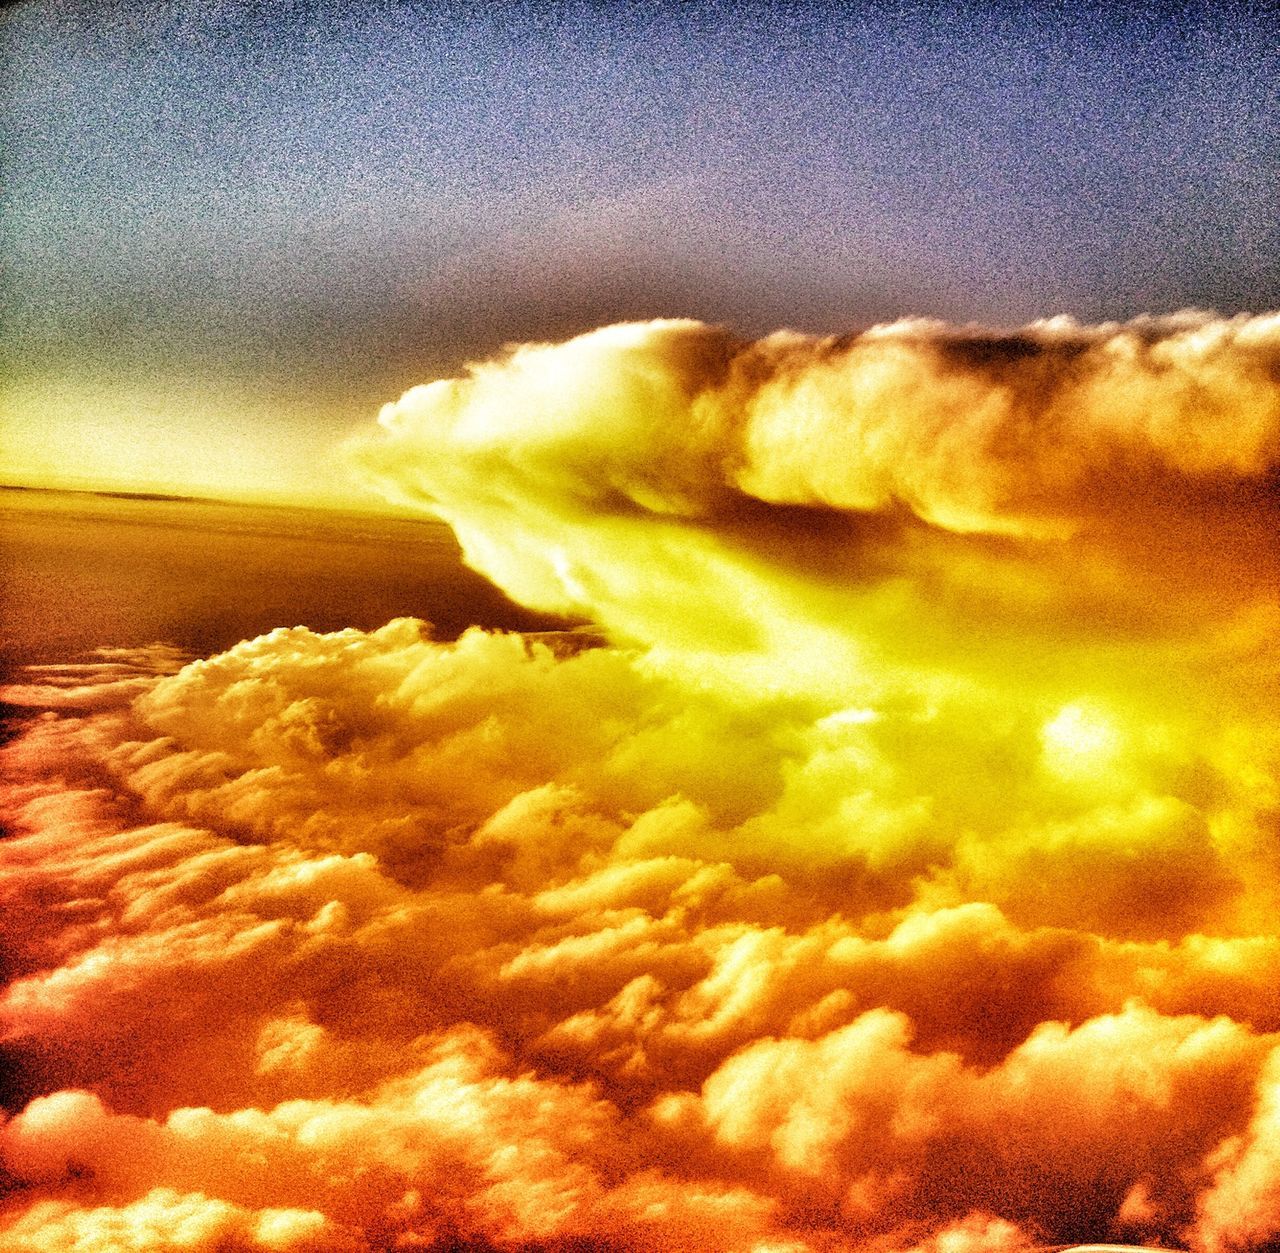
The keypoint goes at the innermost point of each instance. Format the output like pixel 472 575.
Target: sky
pixel 233 231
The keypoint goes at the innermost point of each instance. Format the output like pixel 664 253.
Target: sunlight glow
pixel 1080 741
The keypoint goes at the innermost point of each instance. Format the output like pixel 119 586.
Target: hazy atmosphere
pixel 639 628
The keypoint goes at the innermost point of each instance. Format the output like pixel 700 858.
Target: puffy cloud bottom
pixel 361 941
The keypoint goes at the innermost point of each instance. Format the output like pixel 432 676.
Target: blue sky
pixel 266 219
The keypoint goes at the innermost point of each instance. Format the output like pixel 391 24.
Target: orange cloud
pixel 887 871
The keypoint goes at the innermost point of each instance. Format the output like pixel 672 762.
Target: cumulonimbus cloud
pixel 894 870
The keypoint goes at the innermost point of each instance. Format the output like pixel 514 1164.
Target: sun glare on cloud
pixel 1080 742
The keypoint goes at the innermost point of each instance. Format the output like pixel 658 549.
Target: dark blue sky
pixel 268 218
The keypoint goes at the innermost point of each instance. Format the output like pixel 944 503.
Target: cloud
pixel 165 1220
pixel 674 449
pixel 1241 1207
pixel 887 871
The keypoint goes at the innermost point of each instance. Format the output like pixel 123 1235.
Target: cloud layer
pixel 894 869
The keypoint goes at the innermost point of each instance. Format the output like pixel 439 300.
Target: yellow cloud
pixel 893 868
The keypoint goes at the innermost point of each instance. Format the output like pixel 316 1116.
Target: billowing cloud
pixel 682 487
pixel 891 866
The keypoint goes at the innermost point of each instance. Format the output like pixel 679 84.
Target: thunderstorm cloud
pixel 891 864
